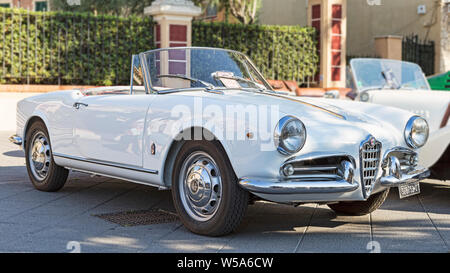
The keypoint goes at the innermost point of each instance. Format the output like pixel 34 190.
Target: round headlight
pixel 416 132
pixel 290 135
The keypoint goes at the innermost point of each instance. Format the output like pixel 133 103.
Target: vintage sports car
pixel 204 123
pixel 440 82
pixel 403 85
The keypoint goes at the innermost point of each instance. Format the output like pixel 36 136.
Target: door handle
pixel 77 105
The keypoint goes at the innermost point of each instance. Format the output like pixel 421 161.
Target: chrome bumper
pixel 296 186
pixel 15 139
pixel 293 186
pixel 412 176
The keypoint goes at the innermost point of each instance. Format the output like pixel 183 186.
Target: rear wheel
pixel 205 191
pixel 42 170
pixel 361 207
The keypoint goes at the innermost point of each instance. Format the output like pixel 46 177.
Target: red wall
pixel 26 4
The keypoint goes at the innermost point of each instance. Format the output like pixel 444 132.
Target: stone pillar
pixel 442 62
pixel 389 47
pixel 329 18
pixel 173 22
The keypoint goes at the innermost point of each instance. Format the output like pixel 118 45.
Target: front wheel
pixel 42 170
pixel 205 191
pixel 361 207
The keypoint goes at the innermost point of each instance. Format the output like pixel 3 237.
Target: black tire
pixel 361 207
pixel 234 200
pixel 56 176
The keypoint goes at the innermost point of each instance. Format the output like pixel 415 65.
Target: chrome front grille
pixel 369 161
pixel 316 167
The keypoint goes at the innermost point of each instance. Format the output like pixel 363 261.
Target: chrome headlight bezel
pixel 279 133
pixel 409 132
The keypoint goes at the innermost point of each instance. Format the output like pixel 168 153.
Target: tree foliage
pixel 109 7
pixel 79 48
pixel 245 11
pixel 70 48
pixel 279 52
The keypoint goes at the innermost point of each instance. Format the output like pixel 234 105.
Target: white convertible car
pixel 403 85
pixel 204 123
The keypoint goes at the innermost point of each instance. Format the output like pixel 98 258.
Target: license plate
pixel 408 189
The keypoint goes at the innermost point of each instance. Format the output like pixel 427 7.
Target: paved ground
pixel 33 221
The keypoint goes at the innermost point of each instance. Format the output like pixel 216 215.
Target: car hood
pixel 346 121
pixel 416 92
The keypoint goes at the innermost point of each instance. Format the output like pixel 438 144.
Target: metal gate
pixel 419 52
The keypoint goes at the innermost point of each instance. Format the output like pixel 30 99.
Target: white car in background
pixel 173 129
pixel 403 85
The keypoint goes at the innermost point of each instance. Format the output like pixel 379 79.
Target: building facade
pixel 367 19
pixel 32 5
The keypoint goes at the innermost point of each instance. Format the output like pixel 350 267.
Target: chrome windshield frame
pixel 362 89
pixel 147 76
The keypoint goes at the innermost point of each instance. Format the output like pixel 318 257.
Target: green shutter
pixel 5 5
pixel 41 6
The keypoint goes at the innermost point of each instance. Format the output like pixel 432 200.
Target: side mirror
pixel 364 96
pixel 352 95
pixel 332 94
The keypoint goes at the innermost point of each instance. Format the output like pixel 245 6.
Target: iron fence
pixel 69 48
pixel 82 49
pixel 420 52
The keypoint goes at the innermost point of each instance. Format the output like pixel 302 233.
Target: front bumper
pixel 16 139
pixel 296 186
pixel 411 176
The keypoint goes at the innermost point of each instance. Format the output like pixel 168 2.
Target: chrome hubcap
pixel 200 186
pixel 39 156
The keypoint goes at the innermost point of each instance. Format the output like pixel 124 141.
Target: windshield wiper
pixel 237 78
pixel 184 77
pixel 390 79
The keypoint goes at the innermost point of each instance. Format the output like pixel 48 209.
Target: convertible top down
pixel 204 123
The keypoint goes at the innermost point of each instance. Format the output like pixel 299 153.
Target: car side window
pixel 137 77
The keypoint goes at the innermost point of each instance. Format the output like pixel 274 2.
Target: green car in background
pixel 440 82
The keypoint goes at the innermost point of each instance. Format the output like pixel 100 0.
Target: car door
pixel 110 128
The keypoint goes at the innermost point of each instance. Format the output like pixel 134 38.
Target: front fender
pixel 36 114
pixel 436 145
pixel 26 112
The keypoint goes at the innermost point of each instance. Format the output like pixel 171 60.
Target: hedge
pixel 279 52
pixel 78 48
pixel 69 48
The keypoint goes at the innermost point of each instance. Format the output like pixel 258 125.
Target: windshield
pixel 202 67
pixel 387 74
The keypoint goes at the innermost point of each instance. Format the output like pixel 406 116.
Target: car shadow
pixel 17 174
pixel 17 153
pixel 262 217
pixel 434 197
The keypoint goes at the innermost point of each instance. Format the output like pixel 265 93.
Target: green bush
pixel 279 52
pixel 78 48
pixel 70 48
